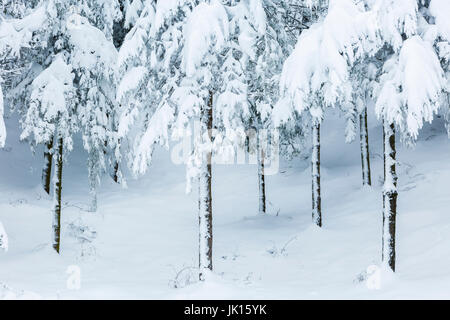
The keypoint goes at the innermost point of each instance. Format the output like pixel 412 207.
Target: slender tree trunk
pixel 384 150
pixel 315 171
pixel 93 169
pixel 205 198
pixel 389 196
pixel 384 161
pixel 364 140
pixel 47 170
pixel 57 196
pixel 116 171
pixel 93 193
pixel 115 176
pixel 261 177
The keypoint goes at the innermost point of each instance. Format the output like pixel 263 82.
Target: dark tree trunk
pixel 57 196
pixel 389 196
pixel 364 140
pixel 116 172
pixel 261 177
pixel 205 197
pixel 47 170
pixel 315 171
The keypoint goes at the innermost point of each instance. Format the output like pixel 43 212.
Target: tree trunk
pixel 116 171
pixel 93 168
pixel 389 197
pixel 315 171
pixel 116 168
pixel 57 196
pixel 261 177
pixel 384 161
pixel 364 140
pixel 47 170
pixel 205 198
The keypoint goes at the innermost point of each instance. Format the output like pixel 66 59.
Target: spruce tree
pixel 310 84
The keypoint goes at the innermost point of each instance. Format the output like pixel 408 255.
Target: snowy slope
pixel 144 235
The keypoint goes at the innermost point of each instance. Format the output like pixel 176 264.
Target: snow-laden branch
pixel 16 34
pixel 316 74
pixel 410 87
pixel 207 27
pixel 396 19
pixel 49 107
pixel 440 9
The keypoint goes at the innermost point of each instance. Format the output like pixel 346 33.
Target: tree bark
pixel 315 171
pixel 116 171
pixel 205 197
pixel 389 197
pixel 261 177
pixel 364 141
pixel 93 168
pixel 384 162
pixel 116 168
pixel 47 170
pixel 57 196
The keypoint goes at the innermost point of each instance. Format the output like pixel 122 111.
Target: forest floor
pixel 142 243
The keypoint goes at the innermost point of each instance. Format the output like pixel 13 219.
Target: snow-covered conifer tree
pixel 51 116
pixel 148 68
pixel 316 75
pixel 262 44
pixel 178 67
pixel 206 36
pixel 438 34
pixel 40 35
pixel 93 59
pixel 411 84
pixel 20 42
pixel 71 78
pixel 264 62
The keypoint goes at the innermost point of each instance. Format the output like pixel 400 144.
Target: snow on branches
pixel 52 104
pixel 316 74
pixel 16 34
pixel 410 87
pixel 411 80
pixel 206 30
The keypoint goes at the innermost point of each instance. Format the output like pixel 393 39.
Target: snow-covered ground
pixel 143 241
